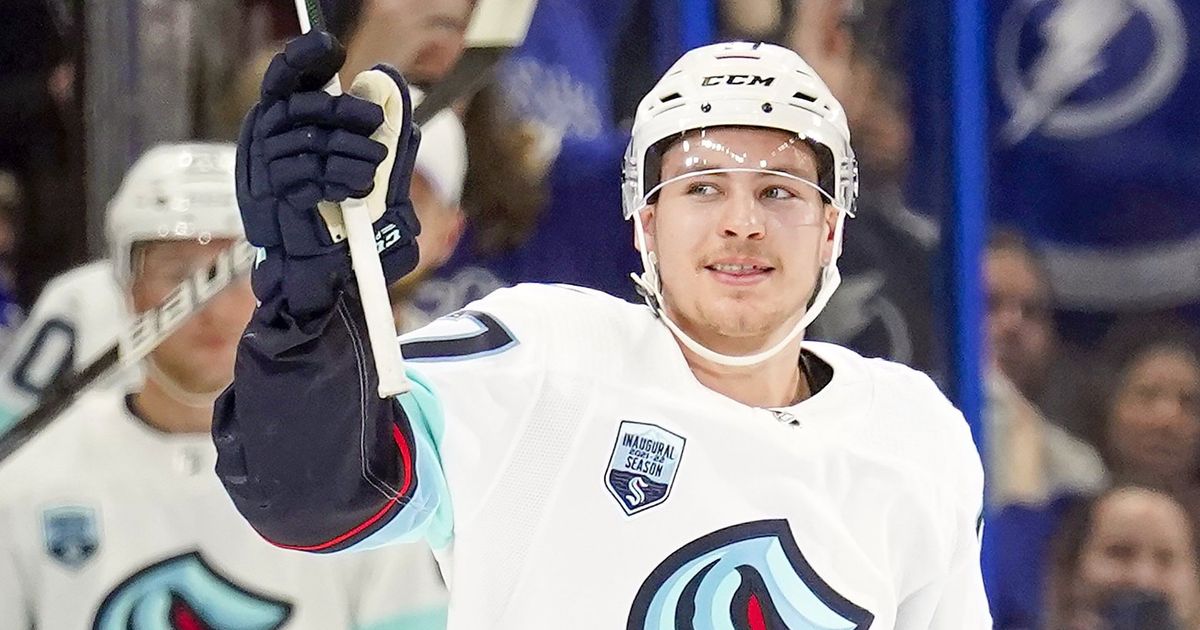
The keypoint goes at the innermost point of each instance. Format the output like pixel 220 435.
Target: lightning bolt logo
pixel 1075 35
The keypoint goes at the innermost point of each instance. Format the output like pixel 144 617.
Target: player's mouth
pixel 739 272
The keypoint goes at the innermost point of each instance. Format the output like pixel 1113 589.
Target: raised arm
pixel 310 455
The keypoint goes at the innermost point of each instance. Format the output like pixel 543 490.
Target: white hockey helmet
pixel 739 84
pixel 172 192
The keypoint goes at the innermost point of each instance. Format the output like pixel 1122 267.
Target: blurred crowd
pixel 1093 436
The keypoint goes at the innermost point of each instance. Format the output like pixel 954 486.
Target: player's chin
pixel 743 318
pixel 209 382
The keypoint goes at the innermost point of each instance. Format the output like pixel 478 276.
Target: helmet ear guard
pixel 739 84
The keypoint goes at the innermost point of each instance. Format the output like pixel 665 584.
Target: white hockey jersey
pixel 110 524
pixel 595 483
pixel 76 317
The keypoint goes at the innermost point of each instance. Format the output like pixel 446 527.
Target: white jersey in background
pixel 76 318
pixel 112 525
pixel 595 483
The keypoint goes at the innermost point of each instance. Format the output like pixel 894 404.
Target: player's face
pixel 1139 540
pixel 739 253
pixel 1154 422
pixel 1020 334
pixel 424 38
pixel 199 356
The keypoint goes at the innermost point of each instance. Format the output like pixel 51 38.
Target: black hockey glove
pixel 299 146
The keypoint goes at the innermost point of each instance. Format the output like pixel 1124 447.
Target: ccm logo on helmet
pixel 737 79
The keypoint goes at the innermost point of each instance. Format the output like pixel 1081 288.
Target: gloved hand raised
pixel 299 146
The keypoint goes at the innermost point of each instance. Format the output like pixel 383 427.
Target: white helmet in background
pixel 442 156
pixel 173 192
pixel 739 84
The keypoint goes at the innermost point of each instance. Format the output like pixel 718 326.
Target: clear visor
pixel 780 198
pixel 766 172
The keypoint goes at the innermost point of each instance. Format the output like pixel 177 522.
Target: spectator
pixel 1126 560
pixel 436 193
pixel 1019 302
pixel 503 195
pixel 434 35
pixel 1149 403
pixel 555 102
pixel 1036 470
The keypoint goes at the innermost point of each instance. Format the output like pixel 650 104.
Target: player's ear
pixel 829 228
pixel 649 227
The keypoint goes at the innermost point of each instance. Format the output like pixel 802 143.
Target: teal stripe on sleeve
pixel 428 514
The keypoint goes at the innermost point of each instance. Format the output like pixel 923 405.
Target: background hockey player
pixel 581 462
pixel 80 313
pixel 112 517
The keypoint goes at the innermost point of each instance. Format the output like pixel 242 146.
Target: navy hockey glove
pixel 298 146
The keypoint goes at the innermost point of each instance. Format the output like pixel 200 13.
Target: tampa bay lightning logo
pixel 1084 68
pixel 185 593
pixel 746 577
pixel 643 465
pixel 72 537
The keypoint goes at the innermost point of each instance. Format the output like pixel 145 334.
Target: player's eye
pixel 702 189
pixel 777 192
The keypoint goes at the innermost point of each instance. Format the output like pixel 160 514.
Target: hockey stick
pixel 496 27
pixel 148 330
pixel 488 38
pixel 368 272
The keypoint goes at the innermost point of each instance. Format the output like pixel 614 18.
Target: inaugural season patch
pixel 643 465
pixel 71 534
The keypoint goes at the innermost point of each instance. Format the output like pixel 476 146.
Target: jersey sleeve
pixel 476 375
pixel 313 458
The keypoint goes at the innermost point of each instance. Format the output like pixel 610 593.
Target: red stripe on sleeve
pixel 406 459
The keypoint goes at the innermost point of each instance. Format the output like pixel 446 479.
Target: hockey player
pixel 581 462
pixel 112 517
pixel 81 312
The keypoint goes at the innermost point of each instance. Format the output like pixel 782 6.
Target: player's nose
pixel 742 217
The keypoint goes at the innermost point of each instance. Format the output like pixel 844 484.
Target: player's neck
pixel 163 412
pixel 776 382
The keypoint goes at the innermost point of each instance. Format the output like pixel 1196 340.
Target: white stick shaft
pixel 368 273
pixel 372 289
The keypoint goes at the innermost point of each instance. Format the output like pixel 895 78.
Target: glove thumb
pixel 390 92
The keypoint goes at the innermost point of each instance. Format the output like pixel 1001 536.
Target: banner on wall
pixel 1096 145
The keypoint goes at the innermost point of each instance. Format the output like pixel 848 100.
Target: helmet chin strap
pixel 175 391
pixel 650 286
